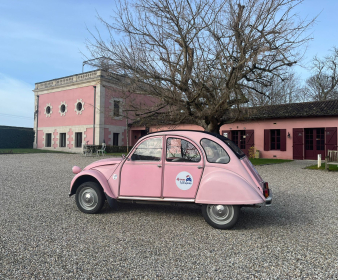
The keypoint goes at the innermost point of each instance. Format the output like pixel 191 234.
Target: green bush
pixel 117 149
pixel 16 137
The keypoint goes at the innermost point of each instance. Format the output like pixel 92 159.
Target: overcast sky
pixel 41 40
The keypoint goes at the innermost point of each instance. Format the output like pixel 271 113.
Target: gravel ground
pixel 44 236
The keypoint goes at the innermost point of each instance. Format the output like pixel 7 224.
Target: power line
pixel 14 116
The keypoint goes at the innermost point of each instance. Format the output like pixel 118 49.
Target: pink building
pixel 83 108
pixel 288 131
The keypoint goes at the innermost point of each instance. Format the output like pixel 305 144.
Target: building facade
pixel 83 108
pixel 288 131
pixel 88 108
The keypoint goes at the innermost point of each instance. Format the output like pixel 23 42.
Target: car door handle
pixel 199 167
pixel 159 165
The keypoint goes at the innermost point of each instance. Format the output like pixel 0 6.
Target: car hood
pixel 108 161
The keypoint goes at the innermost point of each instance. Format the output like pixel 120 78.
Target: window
pixel 78 139
pixel 150 150
pixel 214 152
pixel 48 110
pixel 275 139
pixel 79 106
pixel 48 140
pixel 62 140
pixel 115 139
pixel 116 108
pixel 179 150
pixel 63 109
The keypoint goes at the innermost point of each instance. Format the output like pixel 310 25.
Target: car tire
pixel 220 216
pixel 89 197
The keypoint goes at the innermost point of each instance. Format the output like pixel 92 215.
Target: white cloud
pixel 16 102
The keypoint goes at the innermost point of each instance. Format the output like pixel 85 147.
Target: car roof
pixel 186 131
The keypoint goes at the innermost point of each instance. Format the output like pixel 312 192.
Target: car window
pixel 214 152
pixel 150 150
pixel 179 150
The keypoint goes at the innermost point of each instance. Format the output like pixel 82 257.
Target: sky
pixel 42 40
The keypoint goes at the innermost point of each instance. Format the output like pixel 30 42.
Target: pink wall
pixel 40 139
pixel 71 117
pixel 139 101
pixel 107 136
pixel 124 139
pixel 89 136
pixel 108 119
pixel 288 124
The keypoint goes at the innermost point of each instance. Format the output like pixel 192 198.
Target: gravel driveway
pixel 44 236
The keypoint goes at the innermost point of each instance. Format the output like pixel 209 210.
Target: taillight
pixel 266 190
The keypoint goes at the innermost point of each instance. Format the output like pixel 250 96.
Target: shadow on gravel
pixel 250 218
pixel 191 210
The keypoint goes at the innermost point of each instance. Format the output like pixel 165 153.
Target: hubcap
pixel 88 198
pixel 220 214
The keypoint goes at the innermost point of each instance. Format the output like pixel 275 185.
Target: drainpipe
pixel 94 114
pixel 37 121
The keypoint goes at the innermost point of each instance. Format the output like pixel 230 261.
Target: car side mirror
pixel 123 156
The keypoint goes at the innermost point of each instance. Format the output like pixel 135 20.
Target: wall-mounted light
pixel 289 136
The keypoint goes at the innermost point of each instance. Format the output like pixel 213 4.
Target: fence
pixel 16 137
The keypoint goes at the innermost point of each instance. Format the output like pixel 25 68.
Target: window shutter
pixel 283 139
pixel 331 138
pixel 266 139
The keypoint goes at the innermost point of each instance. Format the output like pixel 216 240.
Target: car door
pixel 141 173
pixel 183 168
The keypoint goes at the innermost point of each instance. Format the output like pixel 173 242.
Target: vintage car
pixel 175 167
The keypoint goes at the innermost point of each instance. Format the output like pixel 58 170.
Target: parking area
pixel 43 235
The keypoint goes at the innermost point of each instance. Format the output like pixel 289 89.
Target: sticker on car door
pixel 184 180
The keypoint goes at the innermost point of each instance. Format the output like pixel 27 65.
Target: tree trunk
pixel 213 128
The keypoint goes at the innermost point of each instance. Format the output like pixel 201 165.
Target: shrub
pixel 117 149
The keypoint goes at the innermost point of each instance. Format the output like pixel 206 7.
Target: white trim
pixel 50 112
pixel 82 108
pixel 63 113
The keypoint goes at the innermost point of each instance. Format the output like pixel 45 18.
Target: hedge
pixel 117 149
pixel 16 137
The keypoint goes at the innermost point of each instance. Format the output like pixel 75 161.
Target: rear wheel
pixel 89 198
pixel 220 216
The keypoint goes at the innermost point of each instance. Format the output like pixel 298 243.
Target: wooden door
pixel 330 139
pixel 249 141
pixel 298 143
pixel 314 143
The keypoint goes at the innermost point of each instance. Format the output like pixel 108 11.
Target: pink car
pixel 175 167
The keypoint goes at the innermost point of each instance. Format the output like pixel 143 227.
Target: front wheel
pixel 220 216
pixel 89 197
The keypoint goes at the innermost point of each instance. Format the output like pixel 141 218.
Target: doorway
pixel 314 143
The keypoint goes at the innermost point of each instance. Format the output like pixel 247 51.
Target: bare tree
pixel 323 85
pixel 281 91
pixel 199 58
